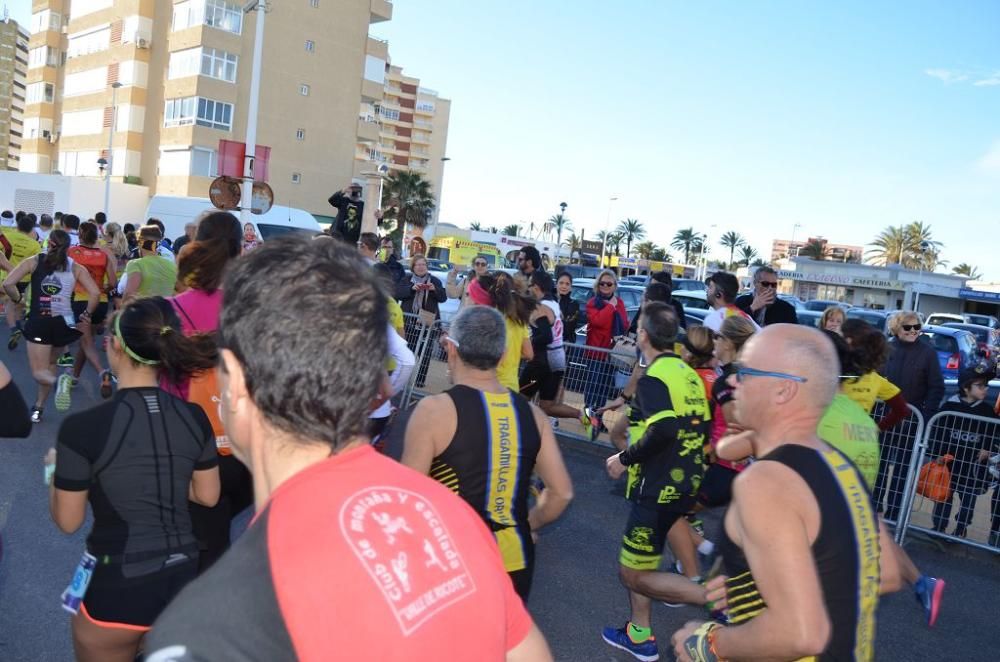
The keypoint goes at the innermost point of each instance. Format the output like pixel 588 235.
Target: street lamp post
pixel 924 247
pixel 562 215
pixel 791 244
pixel 111 146
pixel 246 199
pixel 607 222
pixel 702 260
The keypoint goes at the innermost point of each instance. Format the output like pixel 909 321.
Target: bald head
pixel 794 350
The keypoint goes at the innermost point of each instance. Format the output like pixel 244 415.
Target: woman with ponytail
pixel 201 267
pixel 517 308
pixel 150 274
pixel 117 243
pixel 142 456
pixel 51 324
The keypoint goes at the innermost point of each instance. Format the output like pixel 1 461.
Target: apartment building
pixel 13 87
pixel 401 123
pixel 166 80
pixel 785 248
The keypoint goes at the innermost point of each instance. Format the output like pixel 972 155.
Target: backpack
pixel 203 390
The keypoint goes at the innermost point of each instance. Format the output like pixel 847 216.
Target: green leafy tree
pixel 815 249
pixel 407 198
pixel 689 241
pixel 759 263
pixel 747 254
pixel 732 241
pixel 911 246
pixel 575 245
pixel 645 249
pixel 559 222
pixel 474 225
pixel 512 230
pixel 971 272
pixel 631 230
pixel 615 240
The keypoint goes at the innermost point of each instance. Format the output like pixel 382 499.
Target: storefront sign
pixel 841 279
pixel 978 295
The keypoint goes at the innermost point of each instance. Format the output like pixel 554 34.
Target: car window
pixel 943 343
pixel 632 298
pixel 269 231
pixel 874 319
pixel 581 294
pixel 983 320
pixel 693 302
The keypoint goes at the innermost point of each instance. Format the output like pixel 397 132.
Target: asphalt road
pixel 576 590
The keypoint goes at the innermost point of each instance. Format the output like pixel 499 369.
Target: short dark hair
pixel 71 222
pixel 45 221
pixel 657 292
pixel 659 321
pixel 58 215
pixel 88 233
pixel 100 218
pixel 532 255
pixel 369 240
pixel 315 380
pixel 25 224
pixel 763 270
pixel 543 281
pixel 7 213
pixel 663 277
pixel 158 223
pixel 725 283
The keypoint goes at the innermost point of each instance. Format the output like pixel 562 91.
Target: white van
pixel 176 212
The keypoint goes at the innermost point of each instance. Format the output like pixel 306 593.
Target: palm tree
pixel 689 241
pixel 660 255
pixel 911 246
pixel 759 263
pixel 407 198
pixel 747 254
pixel 631 229
pixel 493 230
pixel 512 230
pixel 474 225
pixel 574 244
pixel 968 270
pixel 614 243
pixel 559 222
pixel 815 249
pixel 645 249
pixel 732 241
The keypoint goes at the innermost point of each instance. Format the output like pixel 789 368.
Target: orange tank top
pixel 96 262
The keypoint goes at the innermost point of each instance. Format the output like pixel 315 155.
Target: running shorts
pixel 646 532
pixel 716 487
pixel 112 601
pixel 538 379
pixel 51 331
pixel 97 318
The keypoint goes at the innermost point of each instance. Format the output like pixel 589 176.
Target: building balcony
pixel 371 91
pixel 381 10
pixel 368 131
pixel 378 48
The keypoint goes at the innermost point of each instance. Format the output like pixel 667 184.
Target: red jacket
pixel 600 326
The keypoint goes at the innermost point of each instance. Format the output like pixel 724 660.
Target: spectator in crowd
pixel 833 319
pixel 190 229
pixel 606 321
pixel 250 240
pixel 457 283
pixel 350 210
pixel 763 305
pixel 568 306
pixel 425 295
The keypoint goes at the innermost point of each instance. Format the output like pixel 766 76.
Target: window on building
pixel 215 114
pixel 217 63
pixel 40 93
pixel 204 162
pixel 179 112
pixel 310 46
pixel 425 106
pixel 184 63
pixel 93 41
pixel 300 134
pixel 213 13
pixel 85 82
pixel 296 177
pixel 45 20
pixel 304 90
pixel 314 3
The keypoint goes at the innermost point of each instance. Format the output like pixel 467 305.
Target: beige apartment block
pixel 401 124
pixel 13 87
pixel 784 248
pixel 184 69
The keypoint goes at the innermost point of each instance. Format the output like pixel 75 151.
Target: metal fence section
pixel 898 462
pixel 969 510
pixel 417 335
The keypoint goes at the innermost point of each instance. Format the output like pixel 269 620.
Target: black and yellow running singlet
pixel 846 553
pixel 489 464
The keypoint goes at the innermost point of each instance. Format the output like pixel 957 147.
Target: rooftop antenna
pixel 6 13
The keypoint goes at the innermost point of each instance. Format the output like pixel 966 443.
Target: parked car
pixel 956 348
pixel 689 284
pixel 820 305
pixel 964 318
pixel 877 318
pixel 692 299
pixel 796 302
pixel 987 339
pixel 809 317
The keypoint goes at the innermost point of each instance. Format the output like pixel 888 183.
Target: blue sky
pixel 750 116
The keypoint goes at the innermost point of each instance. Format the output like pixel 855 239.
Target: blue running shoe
pixel 928 591
pixel 645 651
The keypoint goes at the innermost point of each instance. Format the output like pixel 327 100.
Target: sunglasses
pixel 606 283
pixel 479 264
pixel 910 327
pixel 743 371
pixel 768 283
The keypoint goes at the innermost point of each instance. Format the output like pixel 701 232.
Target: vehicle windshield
pixel 819 306
pixel 875 319
pixel 983 320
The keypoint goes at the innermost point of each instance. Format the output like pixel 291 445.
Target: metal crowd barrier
pixel 898 463
pixel 966 516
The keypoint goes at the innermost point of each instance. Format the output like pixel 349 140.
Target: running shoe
pixel 65 361
pixel 554 422
pixel 645 651
pixel 15 338
pixel 64 392
pixel 36 414
pixel 928 591
pixel 585 422
pixel 106 384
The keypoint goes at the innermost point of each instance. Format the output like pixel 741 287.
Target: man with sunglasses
pixel 801 540
pixel 763 305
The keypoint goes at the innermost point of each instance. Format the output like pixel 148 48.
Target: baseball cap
pixel 978 372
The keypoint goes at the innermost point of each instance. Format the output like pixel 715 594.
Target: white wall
pixel 81 196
